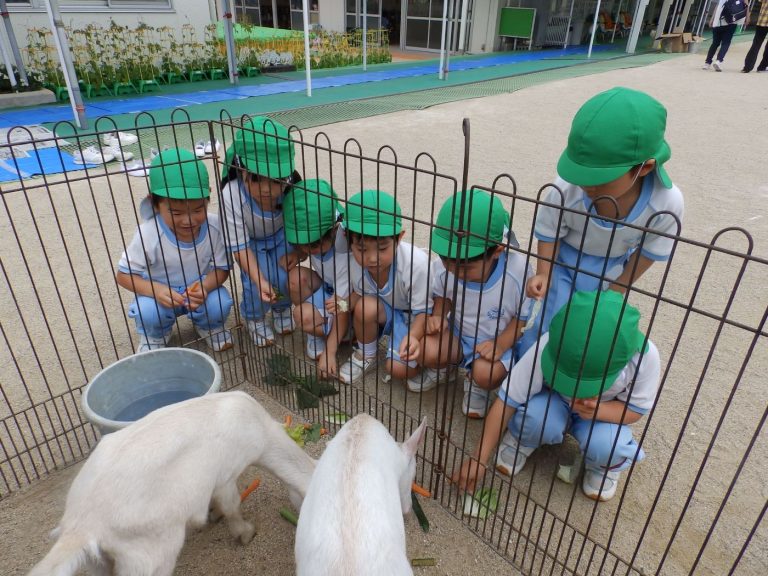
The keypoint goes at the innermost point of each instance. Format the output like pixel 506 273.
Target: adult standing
pixel 723 26
pixel 761 30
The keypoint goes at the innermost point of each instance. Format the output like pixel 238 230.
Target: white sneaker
pixel 217 341
pixel 261 333
pixel 706 66
pixel 315 346
pixel 282 320
pixel 119 153
pixel 147 343
pixel 209 147
pixel 423 381
pixel 511 457
pixel 200 149
pixel 92 155
pixel 593 479
pixel 717 65
pixel 356 367
pixel 476 400
pixel 119 139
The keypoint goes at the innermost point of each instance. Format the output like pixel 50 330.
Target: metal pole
pixel 637 24
pixel 62 46
pixel 8 65
pixel 365 34
pixel 449 37
pixel 13 43
pixel 229 38
pixel 594 29
pixel 441 72
pixel 307 58
pixel 568 27
pixel 463 28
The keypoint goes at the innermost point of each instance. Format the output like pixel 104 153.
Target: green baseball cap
pixel 178 174
pixel 309 211
pixel 484 219
pixel 589 362
pixel 373 213
pixel 264 147
pixel 612 132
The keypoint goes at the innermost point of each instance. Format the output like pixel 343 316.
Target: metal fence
pixel 695 505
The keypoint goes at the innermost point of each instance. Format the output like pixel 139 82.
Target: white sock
pixel 370 349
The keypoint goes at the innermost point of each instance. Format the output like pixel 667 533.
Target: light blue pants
pixel 267 251
pixel 156 321
pixel 538 430
pixel 566 281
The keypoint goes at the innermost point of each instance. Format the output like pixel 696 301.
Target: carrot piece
pixel 323 431
pixel 251 487
pixel 288 420
pixel 421 491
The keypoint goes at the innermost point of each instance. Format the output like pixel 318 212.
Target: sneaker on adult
pixel 476 400
pixel 261 334
pixel 200 149
pixel 717 65
pixel 511 457
pixel 593 480
pixel 706 66
pixel 217 341
pixel 356 367
pixel 147 343
pixel 209 147
pixel 119 139
pixel 282 320
pixel 315 346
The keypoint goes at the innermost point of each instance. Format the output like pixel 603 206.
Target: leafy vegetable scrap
pixel 483 502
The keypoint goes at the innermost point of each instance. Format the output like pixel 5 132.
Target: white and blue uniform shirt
pixel 519 387
pixel 335 266
pixel 409 286
pixel 485 309
pixel 245 220
pixel 599 237
pixel 156 254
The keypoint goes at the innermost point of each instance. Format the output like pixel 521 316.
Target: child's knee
pixel 542 421
pixel 488 375
pixel 309 319
pixel 399 369
pixel 151 315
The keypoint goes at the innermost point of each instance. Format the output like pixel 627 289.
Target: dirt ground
pixel 718 136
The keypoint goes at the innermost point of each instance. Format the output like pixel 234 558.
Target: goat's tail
pixel 68 555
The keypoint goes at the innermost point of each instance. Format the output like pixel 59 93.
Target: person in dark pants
pixel 761 30
pixel 722 34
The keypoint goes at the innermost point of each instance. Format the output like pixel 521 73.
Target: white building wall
pixel 199 13
pixel 485 24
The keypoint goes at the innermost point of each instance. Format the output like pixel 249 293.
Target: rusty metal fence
pixel 695 505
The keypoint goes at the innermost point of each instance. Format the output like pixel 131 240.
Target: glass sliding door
pixel 424 23
pixel 354 14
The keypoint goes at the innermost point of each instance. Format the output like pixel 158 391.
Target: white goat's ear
pixel 411 446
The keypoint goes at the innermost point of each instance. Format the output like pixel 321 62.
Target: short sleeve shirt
pixel 244 219
pixel 156 254
pixel 335 266
pixel 526 379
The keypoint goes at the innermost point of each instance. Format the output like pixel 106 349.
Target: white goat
pixel 351 522
pixel 129 506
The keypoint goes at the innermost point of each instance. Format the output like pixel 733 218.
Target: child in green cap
pixel 177 261
pixel 593 374
pixel 392 291
pixel 320 293
pixel 259 170
pixel 482 286
pixel 613 168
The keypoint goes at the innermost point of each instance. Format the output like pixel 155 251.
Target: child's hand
pixel 327 365
pixel 168 297
pixel 435 325
pixel 334 305
pixel 489 350
pixel 536 287
pixel 289 261
pixel 266 291
pixel 586 408
pixel 194 295
pixel 469 475
pixel 410 349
